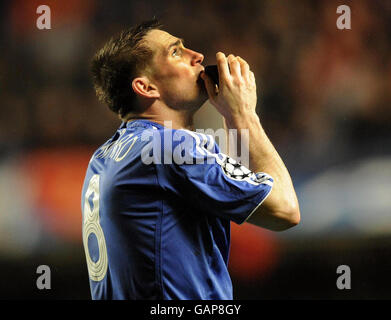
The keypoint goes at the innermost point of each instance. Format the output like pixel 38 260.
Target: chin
pixel 194 105
pixel 200 99
pixel 192 100
pixel 201 87
pixel 202 93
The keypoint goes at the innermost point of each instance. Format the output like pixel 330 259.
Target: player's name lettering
pixel 117 150
pixel 175 146
pixel 199 309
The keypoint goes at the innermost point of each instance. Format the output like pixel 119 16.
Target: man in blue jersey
pixel 158 198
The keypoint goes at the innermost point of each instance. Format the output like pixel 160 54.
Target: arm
pixel 236 101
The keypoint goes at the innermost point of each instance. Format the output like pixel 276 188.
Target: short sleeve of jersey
pixel 217 183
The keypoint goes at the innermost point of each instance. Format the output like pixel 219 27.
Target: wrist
pixel 241 121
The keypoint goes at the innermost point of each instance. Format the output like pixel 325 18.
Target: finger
pixel 244 68
pixel 222 66
pixel 230 58
pixel 252 76
pixel 234 66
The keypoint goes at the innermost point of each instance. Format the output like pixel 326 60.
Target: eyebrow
pixel 176 43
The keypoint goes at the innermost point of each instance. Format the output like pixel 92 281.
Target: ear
pixel 143 87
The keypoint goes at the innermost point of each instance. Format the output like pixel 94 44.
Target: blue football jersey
pixel 157 205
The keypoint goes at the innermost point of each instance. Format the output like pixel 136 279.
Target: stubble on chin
pixel 202 89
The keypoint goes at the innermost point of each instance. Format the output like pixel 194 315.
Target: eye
pixel 175 52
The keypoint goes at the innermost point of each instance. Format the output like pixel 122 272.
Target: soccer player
pixel 158 198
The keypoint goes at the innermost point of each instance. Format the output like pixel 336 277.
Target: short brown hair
pixel 120 60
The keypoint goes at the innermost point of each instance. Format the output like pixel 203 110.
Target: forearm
pixel 236 101
pixel 280 209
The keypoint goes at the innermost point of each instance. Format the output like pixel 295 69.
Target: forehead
pixel 159 40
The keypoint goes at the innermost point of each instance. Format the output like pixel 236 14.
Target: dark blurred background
pixel 324 100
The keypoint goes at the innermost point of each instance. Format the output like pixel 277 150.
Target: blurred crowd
pixel 324 93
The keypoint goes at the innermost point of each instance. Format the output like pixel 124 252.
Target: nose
pixel 196 57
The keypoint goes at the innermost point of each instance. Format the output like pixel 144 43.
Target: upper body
pixel 166 200
pixel 158 230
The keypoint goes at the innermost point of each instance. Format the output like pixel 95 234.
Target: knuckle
pixel 225 82
pixel 234 61
pixel 238 82
pixel 242 60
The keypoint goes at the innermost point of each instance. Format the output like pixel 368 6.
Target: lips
pixel 199 74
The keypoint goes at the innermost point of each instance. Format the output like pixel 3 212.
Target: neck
pixel 165 116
